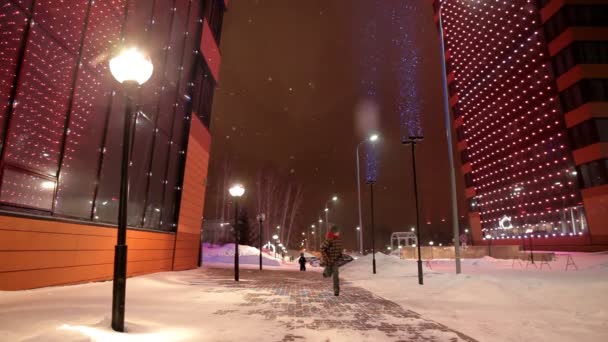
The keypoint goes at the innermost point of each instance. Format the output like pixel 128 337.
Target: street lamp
pixel 371 193
pixel 448 130
pixel 275 237
pixel 359 239
pixel 236 191
pixel 261 217
pixel 131 68
pixel 413 140
pixel 372 138
pixel 489 237
pixel 334 198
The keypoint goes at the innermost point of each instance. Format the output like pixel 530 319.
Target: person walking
pixel 331 251
pixel 302 262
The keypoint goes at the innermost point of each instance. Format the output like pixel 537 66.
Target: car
pixel 313 261
pixel 345 259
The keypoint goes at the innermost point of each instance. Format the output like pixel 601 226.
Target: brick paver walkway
pixel 304 300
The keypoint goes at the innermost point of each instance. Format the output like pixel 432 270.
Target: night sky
pixel 293 77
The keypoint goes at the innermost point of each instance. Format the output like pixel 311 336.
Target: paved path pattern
pixel 304 300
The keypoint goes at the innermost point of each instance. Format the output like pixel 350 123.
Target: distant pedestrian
pixel 331 251
pixel 302 262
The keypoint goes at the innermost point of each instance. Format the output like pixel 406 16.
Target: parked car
pixel 345 259
pixel 313 261
pixel 316 262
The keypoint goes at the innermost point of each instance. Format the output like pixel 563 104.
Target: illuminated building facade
pixel 61 118
pixel 528 85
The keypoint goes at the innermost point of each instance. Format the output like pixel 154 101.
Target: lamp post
pixel 413 140
pixel 236 191
pixel 360 239
pixel 371 193
pixel 334 198
pixel 372 138
pixel 275 237
pixel 261 217
pixel 489 238
pixel 131 68
pixel 448 130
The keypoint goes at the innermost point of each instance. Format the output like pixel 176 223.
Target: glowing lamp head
pixel 374 137
pixel 488 236
pixel 320 221
pixel 326 209
pixel 237 190
pixel 131 65
pixel 275 236
pixel 335 198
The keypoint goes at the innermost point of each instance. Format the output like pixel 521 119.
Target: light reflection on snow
pixel 106 334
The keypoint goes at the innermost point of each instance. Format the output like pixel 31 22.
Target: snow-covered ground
pixel 491 301
pixel 247 255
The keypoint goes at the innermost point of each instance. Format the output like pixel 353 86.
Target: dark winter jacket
pixel 331 250
pixel 302 260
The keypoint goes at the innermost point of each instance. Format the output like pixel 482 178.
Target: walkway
pixel 299 301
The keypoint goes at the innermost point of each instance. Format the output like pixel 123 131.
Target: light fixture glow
pixel 131 65
pixel 237 190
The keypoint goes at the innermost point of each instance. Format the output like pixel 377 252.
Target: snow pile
pixel 247 255
pixel 497 300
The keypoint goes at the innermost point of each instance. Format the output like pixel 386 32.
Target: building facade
pixel 61 116
pixel 528 84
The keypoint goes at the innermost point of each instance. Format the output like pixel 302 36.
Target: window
pixel 576 15
pixel 12 28
pixel 63 144
pixel 468 180
pixel 214 12
pixel 37 124
pixel 593 174
pixel 589 132
pixel 473 205
pixel 82 151
pixel 595 52
pixel 586 90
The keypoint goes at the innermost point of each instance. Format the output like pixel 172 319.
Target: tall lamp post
pixel 413 140
pixel 236 191
pixel 334 198
pixel 360 238
pixel 371 193
pixel 372 138
pixel 261 217
pixel 131 68
pixel 448 130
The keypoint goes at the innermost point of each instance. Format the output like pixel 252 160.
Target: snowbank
pixel 247 255
pixel 494 300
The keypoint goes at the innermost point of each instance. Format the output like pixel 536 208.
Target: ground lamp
pixel 261 217
pixel 131 68
pixel 236 191
pixel 413 140
pixel 372 138
pixel 448 130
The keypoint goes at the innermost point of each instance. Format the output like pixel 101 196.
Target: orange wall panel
pixel 193 197
pixel 39 252
pixel 590 153
pixel 596 208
